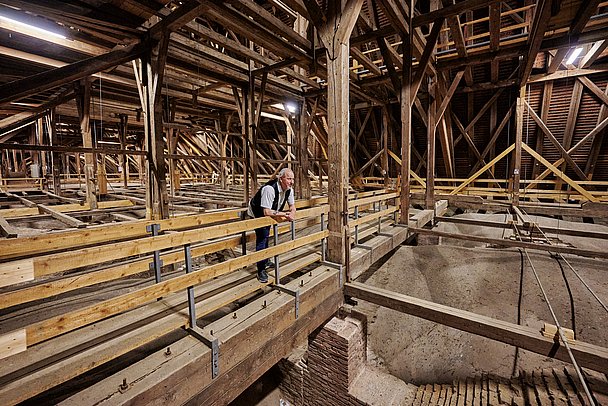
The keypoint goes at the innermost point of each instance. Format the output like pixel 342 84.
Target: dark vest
pixel 258 210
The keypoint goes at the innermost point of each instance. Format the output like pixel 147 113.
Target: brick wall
pixel 336 355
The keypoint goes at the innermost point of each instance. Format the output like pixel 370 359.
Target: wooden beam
pixel 554 141
pixel 405 107
pixel 365 61
pixel 449 94
pixel 597 142
pixel 586 10
pixel 157 200
pixel 337 45
pixel 542 16
pixel 560 174
pixel 595 51
pixel 430 148
pixel 544 116
pixel 482 170
pixel 55 77
pixel 573 110
pixel 568 73
pixel 557 60
pixel 83 104
pixel 186 376
pixel 64 218
pixel 603 97
pixel 590 136
pixel 6 229
pixel 588 355
pixel 455 9
pixel 54 326
pixel 429 48
pixel 162 317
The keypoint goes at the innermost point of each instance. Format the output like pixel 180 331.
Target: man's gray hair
pixel 284 171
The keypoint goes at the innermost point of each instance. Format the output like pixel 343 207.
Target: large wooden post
pixel 519 124
pixel 123 159
pixel 406 121
pixel 406 134
pixel 302 139
pixel 386 128
pixel 153 66
pixel 252 134
pixel 430 149
pixel 335 33
pixel 338 119
pixel 83 102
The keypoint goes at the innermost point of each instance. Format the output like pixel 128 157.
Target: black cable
pixel 572 310
pixel 519 300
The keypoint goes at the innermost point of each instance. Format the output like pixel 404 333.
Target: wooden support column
pixel 54 161
pixel 172 135
pixel 242 104
pixel 223 139
pixel 406 121
pixel 83 102
pixel 386 120
pixel 153 66
pixel 123 159
pixel 430 148
pixel 544 116
pixel 336 42
pixel 102 176
pixel 597 140
pixel 338 120
pixel 575 103
pixel 519 124
pixel 252 133
pixel 302 156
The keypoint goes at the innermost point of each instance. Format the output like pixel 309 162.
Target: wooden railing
pixel 202 240
pixel 21 183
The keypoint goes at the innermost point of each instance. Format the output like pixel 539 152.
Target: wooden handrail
pixel 61 324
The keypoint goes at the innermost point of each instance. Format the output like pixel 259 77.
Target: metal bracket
pixel 199 334
pixel 294 293
pixel 334 265
pixel 156 263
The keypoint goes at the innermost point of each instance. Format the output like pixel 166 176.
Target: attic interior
pixel 451 184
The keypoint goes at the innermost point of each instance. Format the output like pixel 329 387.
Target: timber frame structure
pixel 476 104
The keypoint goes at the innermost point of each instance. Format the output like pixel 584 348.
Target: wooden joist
pixel 116 232
pixel 6 229
pixel 116 271
pixel 519 244
pixel 246 349
pixel 56 361
pixel 62 208
pixel 64 218
pixel 54 326
pixel 588 355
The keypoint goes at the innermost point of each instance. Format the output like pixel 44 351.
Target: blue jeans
pixel 261 242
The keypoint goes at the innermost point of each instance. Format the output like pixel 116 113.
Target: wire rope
pixel 557 324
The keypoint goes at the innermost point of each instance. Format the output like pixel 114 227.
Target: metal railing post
pixel 156 263
pixel 324 240
pixel 275 231
pixel 191 308
pixel 356 226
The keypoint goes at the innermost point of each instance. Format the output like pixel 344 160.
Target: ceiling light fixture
pixel 33 28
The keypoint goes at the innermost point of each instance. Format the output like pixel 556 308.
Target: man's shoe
pixel 269 264
pixel 262 277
